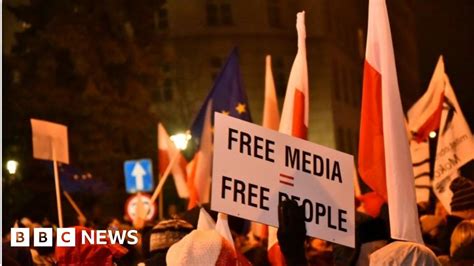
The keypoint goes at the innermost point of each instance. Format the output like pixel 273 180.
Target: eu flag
pixel 73 180
pixel 228 96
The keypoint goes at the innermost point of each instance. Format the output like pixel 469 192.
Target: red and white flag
pixel 384 155
pixel 205 221
pixel 425 115
pixel 166 152
pixel 294 117
pixel 438 110
pixel 222 226
pixel 271 115
pixel 271 120
pixel 199 169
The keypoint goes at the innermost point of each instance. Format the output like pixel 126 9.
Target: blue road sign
pixel 138 175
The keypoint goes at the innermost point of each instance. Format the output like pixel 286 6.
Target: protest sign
pixel 254 168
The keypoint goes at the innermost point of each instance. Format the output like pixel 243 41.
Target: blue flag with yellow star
pixel 228 96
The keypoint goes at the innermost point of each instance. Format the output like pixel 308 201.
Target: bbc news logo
pixel 66 237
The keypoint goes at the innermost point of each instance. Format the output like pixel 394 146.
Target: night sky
pixel 443 27
pixel 447 27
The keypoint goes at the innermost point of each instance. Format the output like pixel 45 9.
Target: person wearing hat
pixel 163 235
pixel 462 243
pixel 202 247
pixel 462 207
pixel 404 253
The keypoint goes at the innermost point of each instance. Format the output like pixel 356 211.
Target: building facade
pixel 199 35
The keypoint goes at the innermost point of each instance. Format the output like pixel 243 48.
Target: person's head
pixel 403 253
pixel 462 202
pixel 164 235
pixel 201 247
pixel 462 238
pixel 371 234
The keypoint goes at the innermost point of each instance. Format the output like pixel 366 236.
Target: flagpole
pixel 56 182
pixel 160 206
pixel 163 178
pixel 74 205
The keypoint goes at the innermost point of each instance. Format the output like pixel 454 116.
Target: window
pixel 166 68
pixel 361 42
pixel 219 14
pixel 215 63
pixel 345 93
pixel 163 18
pixel 354 89
pixel 340 139
pixel 226 15
pixel 337 85
pixel 211 14
pixel 349 142
pixel 358 89
pixel 279 76
pixel 274 14
pixel 168 89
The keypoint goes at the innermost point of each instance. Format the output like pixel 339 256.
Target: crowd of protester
pixel 448 240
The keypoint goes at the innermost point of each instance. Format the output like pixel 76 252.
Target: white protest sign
pixel 254 168
pixel 49 137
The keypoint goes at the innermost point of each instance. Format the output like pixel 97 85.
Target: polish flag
pixel 425 115
pixel 166 152
pixel 271 120
pixel 384 155
pixel 294 117
pixel 438 109
pixel 199 169
pixel 271 115
pixel 205 221
pixel 222 226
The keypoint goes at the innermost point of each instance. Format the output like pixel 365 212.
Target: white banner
pixel 48 136
pixel 420 156
pixel 455 146
pixel 254 168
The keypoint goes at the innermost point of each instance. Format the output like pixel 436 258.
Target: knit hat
pixel 463 194
pixel 166 233
pixel 201 247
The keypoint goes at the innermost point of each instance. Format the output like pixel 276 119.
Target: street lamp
pixel 180 140
pixel 12 166
pixel 432 134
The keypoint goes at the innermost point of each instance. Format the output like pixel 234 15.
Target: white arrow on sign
pixel 138 172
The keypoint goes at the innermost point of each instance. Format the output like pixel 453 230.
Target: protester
pixel 163 235
pixel 201 247
pixel 292 232
pixel 462 243
pixel 404 253
pixel 462 207
pixel 371 235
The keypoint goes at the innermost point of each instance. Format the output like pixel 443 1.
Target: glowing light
pixel 12 166
pixel 432 134
pixel 181 140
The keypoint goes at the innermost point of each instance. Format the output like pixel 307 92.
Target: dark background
pixel 107 91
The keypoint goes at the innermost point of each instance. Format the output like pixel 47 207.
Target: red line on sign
pixel 287 176
pixel 286 183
